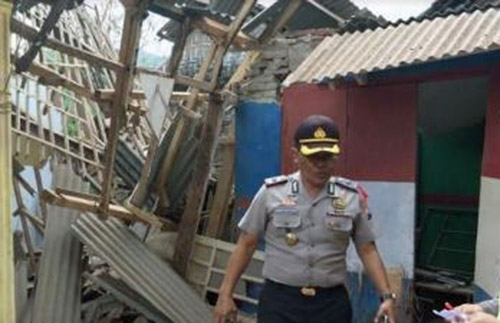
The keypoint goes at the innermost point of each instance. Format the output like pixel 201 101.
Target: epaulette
pixel 347 184
pixel 277 180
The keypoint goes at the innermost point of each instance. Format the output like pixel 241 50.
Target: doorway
pixel 451 119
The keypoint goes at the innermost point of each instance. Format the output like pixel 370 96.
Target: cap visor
pixel 306 151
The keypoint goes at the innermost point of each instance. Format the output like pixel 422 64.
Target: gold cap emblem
pixel 338 203
pixel 319 133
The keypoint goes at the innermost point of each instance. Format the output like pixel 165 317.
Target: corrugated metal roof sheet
pixel 355 54
pixel 124 293
pixel 58 289
pixel 308 16
pixel 136 264
pixel 445 7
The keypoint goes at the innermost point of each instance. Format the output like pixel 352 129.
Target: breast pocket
pixel 341 223
pixel 285 219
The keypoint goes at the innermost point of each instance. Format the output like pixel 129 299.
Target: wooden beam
pixel 134 15
pixel 140 192
pixel 30 33
pixel 242 69
pixel 109 95
pixel 180 43
pixel 197 188
pixel 77 201
pixel 49 77
pixel 177 95
pixel 179 131
pixel 275 27
pixel 193 83
pixel 227 39
pixel 218 30
pixel 218 213
pixel 7 279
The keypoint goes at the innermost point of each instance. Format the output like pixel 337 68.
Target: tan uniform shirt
pixel 323 227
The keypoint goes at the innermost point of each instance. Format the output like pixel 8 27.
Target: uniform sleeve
pixel 363 232
pixel 490 306
pixel 255 218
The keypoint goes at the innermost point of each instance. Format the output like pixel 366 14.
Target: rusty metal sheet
pixel 141 269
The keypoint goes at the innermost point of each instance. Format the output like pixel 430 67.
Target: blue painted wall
pixel 258 149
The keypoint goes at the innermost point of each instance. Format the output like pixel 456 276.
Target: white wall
pixel 393 208
pixel 487 271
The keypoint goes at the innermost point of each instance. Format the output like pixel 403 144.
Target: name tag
pixel 286 217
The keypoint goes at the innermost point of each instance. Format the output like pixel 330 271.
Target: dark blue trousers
pixel 281 303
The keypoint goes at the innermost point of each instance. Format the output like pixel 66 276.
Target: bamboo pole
pixel 7 296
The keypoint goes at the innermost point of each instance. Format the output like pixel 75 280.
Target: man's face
pixel 317 168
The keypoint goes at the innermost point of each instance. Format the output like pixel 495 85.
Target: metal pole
pixel 7 303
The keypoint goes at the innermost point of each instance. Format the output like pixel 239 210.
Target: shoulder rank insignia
pixel 347 184
pixel 277 180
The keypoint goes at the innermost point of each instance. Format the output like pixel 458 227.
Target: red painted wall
pixel 491 151
pixel 381 133
pixel 303 101
pixel 377 124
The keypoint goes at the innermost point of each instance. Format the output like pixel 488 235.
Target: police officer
pixel 308 219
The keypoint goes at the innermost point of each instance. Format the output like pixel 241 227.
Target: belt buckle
pixel 308 291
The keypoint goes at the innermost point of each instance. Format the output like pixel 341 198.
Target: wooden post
pixel 215 55
pixel 218 212
pixel 196 192
pixel 7 294
pixel 179 131
pixel 228 39
pixel 134 14
pixel 180 43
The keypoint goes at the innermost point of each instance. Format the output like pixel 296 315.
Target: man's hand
pixel 469 308
pixel 387 309
pixel 481 317
pixel 225 310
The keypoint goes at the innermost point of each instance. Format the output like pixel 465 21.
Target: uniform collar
pixel 328 189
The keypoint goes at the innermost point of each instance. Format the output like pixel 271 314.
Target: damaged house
pixel 124 184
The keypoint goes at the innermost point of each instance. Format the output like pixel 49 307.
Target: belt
pixel 307 291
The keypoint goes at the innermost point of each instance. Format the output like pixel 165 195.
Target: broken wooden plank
pixel 134 15
pixel 73 201
pixel 30 33
pixel 196 192
pixel 220 30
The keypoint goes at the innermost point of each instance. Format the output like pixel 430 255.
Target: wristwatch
pixel 386 296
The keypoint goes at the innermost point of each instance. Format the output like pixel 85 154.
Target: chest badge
pixel 338 203
pixel 291 239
